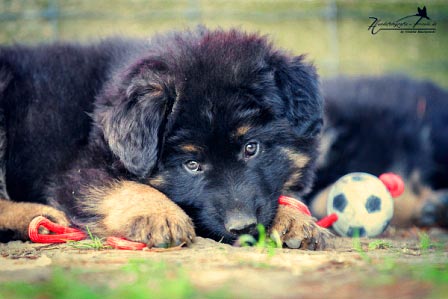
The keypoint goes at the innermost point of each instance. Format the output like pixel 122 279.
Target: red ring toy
pixel 62 233
pixel 122 243
pixel 301 207
pixel 294 203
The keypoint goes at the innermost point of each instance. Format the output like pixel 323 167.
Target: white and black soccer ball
pixel 362 203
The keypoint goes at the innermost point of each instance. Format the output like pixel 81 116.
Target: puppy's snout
pixel 240 223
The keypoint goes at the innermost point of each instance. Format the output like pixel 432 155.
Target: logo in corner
pixel 415 23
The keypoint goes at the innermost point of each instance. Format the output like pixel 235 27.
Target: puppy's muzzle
pixel 239 223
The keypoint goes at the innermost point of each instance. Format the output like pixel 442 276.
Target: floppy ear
pixel 132 113
pixel 299 87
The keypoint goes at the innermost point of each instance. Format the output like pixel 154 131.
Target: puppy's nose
pixel 240 223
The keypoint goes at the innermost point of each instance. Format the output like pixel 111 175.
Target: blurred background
pixel 334 33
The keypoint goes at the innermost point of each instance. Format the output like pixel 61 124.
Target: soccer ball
pixel 362 203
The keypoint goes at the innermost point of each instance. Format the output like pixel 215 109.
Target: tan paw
pixel 140 213
pixel 298 230
pixel 167 229
pixel 54 215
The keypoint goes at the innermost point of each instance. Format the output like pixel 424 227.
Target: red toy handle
pixel 394 183
pixel 294 203
pixel 122 243
pixel 328 220
pixel 300 206
pixel 62 233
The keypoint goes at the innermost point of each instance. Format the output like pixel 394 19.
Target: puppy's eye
pixel 193 166
pixel 251 149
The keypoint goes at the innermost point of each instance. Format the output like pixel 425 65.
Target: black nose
pixel 240 223
pixel 249 229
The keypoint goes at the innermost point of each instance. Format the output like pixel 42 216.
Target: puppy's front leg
pixel 298 230
pixel 15 218
pixel 137 212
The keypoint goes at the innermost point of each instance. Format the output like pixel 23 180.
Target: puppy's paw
pixel 167 228
pixel 51 213
pixel 298 230
pixel 140 213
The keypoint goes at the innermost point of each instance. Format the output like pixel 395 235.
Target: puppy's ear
pixel 298 83
pixel 132 113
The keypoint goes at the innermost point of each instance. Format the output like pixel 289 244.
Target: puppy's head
pixel 222 123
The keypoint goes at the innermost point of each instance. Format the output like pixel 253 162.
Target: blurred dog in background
pixel 382 124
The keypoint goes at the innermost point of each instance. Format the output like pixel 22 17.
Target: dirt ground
pixel 401 265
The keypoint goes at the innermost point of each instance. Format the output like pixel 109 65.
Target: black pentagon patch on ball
pixel 373 204
pixel 357 178
pixel 340 202
pixel 356 231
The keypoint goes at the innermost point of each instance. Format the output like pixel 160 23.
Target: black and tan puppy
pixel 388 123
pixel 193 132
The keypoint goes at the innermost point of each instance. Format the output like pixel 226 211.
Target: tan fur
pixel 241 131
pixel 299 161
pixel 299 230
pixel 157 181
pixel 319 203
pixel 292 180
pixel 140 213
pixel 152 88
pixel 16 216
pixel 407 207
pixel 191 148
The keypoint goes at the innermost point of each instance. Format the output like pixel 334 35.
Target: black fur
pixel 81 116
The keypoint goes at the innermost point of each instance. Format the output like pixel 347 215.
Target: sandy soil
pixel 342 272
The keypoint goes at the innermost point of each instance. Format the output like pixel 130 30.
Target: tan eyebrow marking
pixel 191 148
pixel 242 130
pixel 299 160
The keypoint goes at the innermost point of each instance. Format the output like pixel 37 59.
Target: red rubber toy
pixel 300 206
pixel 393 182
pixel 294 203
pixel 61 234
pixel 122 243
